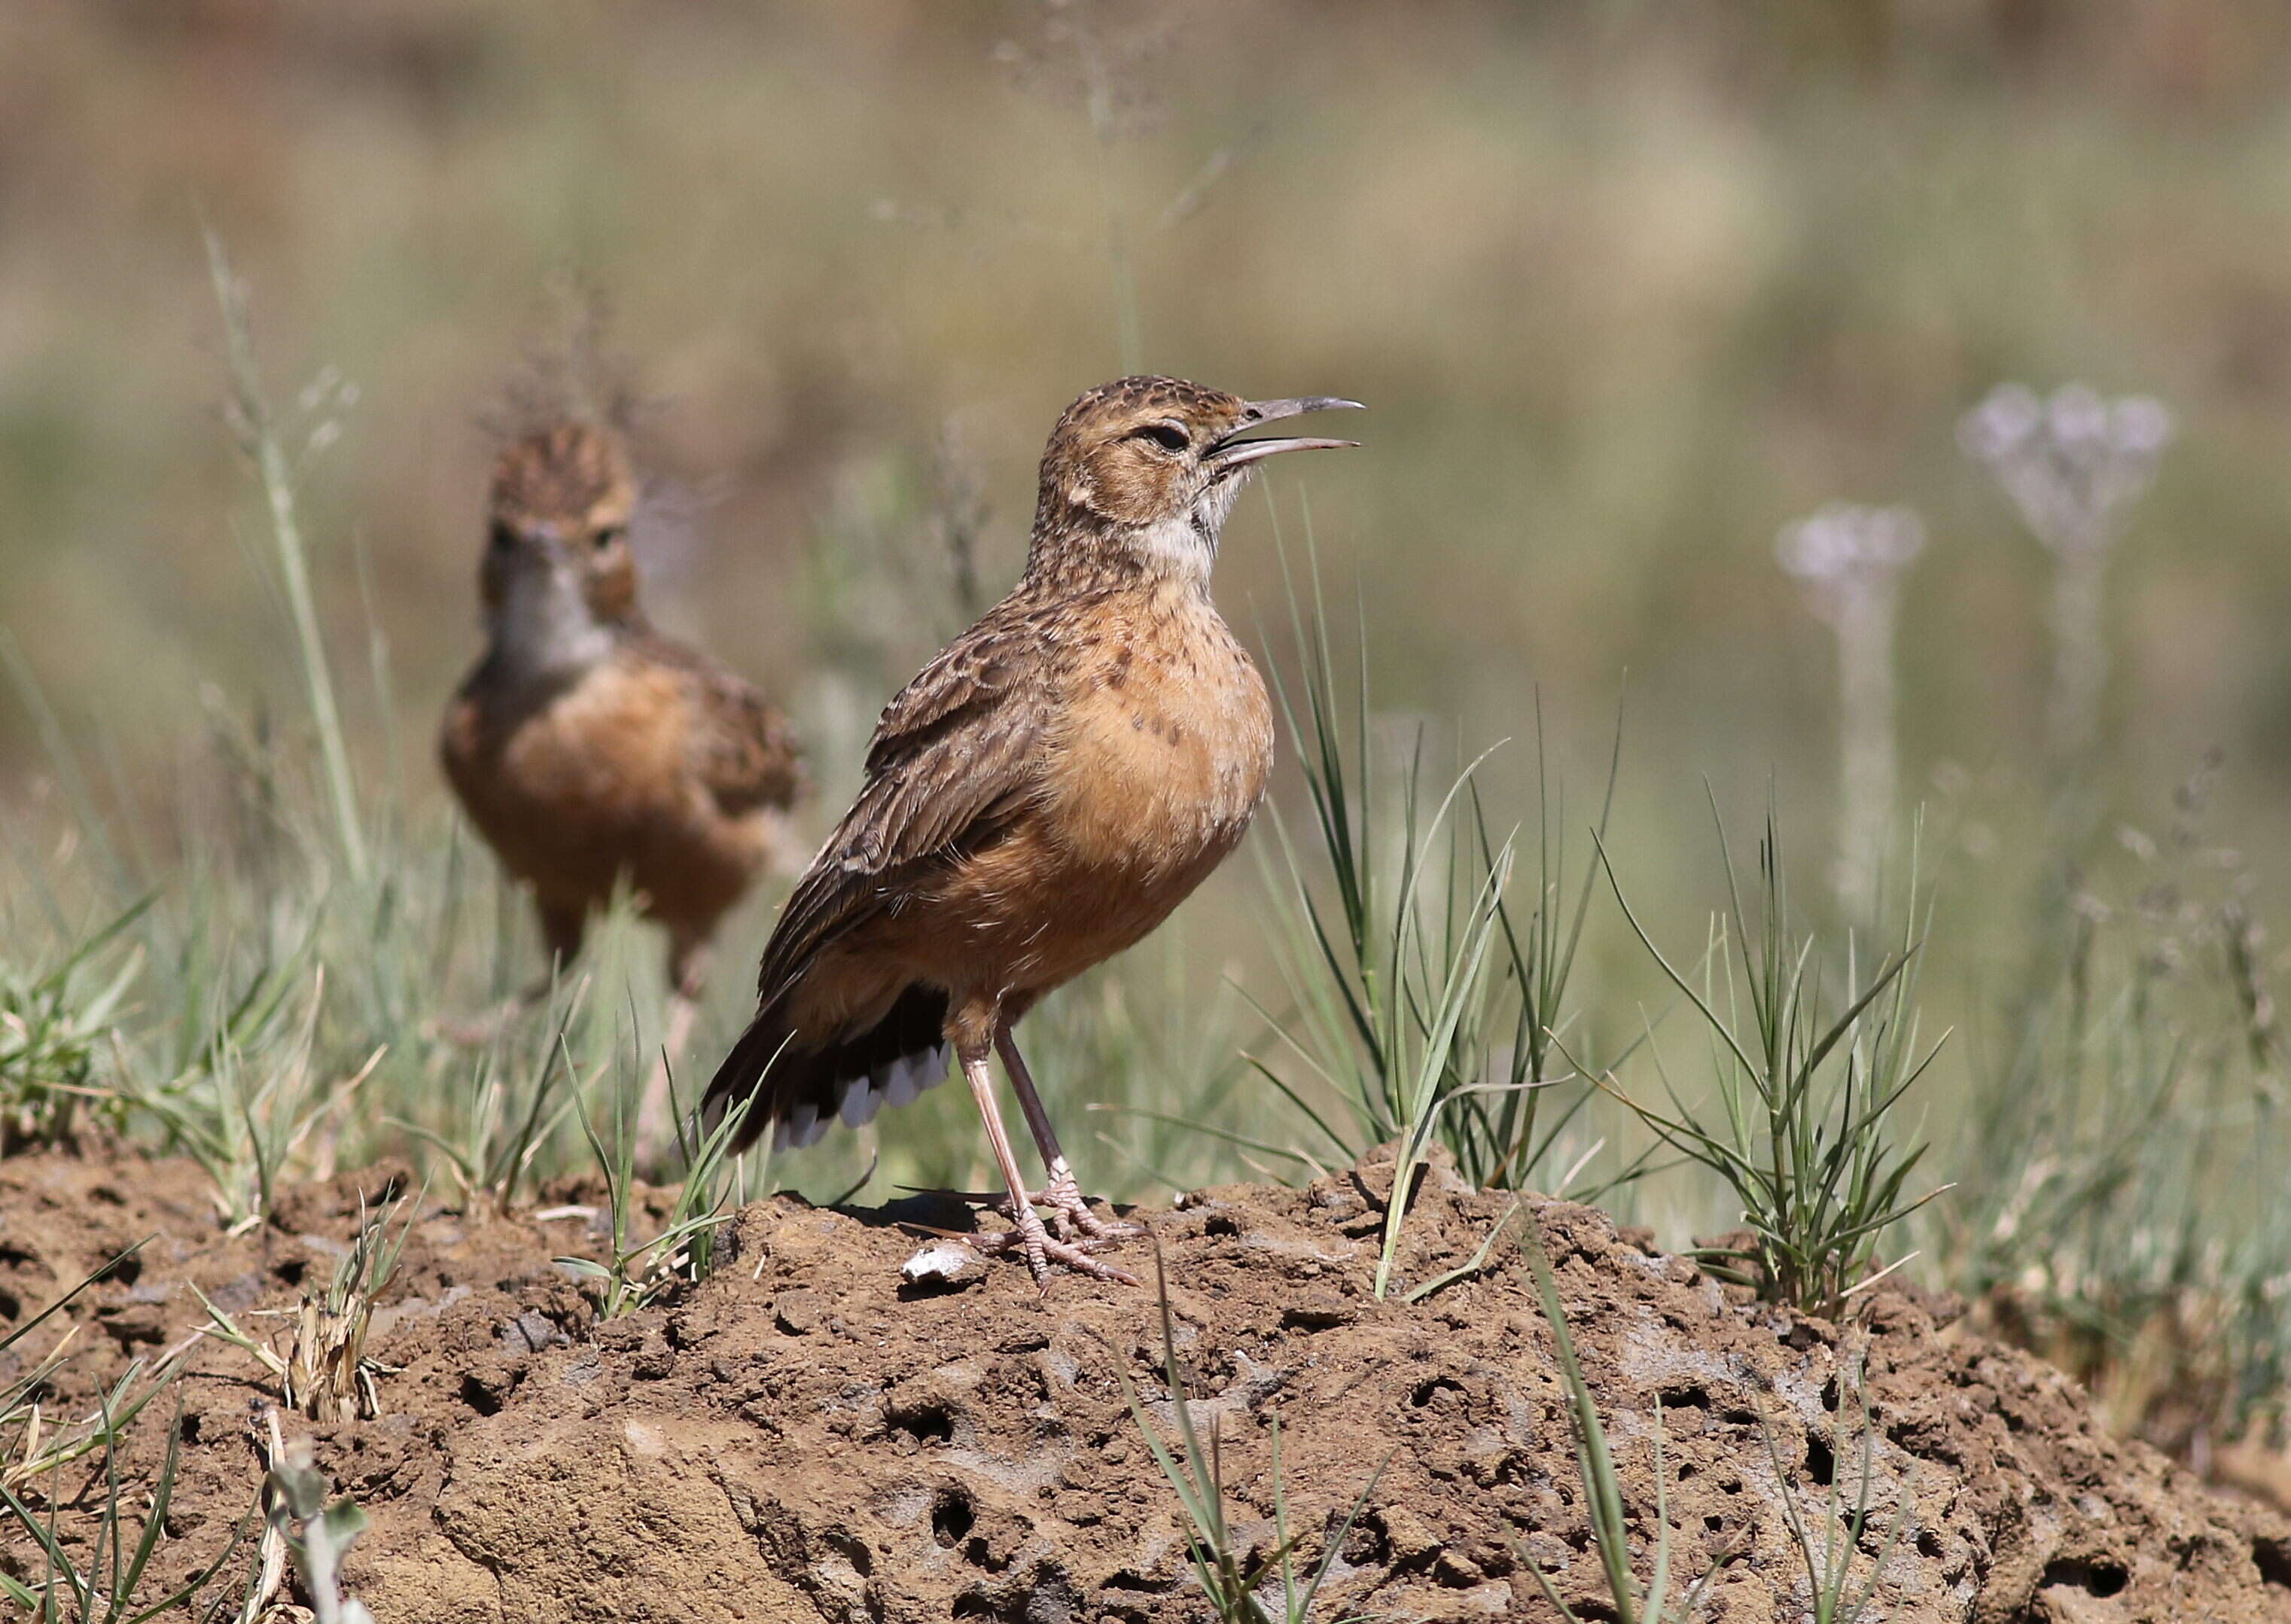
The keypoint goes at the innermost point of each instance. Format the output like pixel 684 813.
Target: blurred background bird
pixel 588 749
pixel 1037 800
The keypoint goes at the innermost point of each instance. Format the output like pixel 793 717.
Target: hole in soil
pixel 290 1270
pixel 1426 1389
pixel 11 1305
pixel 2272 1558
pixel 1221 1224
pixel 972 1605
pixel 2102 1578
pixel 1130 1579
pixel 979 1554
pixel 15 1257
pixel 190 1427
pixel 1685 1470
pixel 1714 1524
pixel 480 1397
pixel 1820 1460
pixel 126 1270
pixel 1928 1544
pixel 931 1421
pixel 854 1552
pixel 1687 1398
pixel 951 1517
pixel 1830 1395
pixel 1738 1417
pixel 1369 1545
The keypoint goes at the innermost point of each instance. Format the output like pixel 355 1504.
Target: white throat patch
pixel 544 628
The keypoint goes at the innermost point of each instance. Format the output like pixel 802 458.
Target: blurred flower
pixel 2073 466
pixel 1842 551
pixel 1850 559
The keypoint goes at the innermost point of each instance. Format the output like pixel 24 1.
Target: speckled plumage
pixel 1042 794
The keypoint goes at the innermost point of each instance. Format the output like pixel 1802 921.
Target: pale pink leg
pixel 1031 1235
pixel 1063 1194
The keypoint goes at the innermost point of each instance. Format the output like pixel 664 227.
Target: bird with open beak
pixel 1039 798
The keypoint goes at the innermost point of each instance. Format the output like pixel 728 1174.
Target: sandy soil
pixel 805 1436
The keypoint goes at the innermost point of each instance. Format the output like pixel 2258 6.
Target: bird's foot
pixel 1070 1210
pixel 1042 1249
pixel 1070 1217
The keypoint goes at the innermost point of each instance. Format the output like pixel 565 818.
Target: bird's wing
pixel 740 745
pixel 953 759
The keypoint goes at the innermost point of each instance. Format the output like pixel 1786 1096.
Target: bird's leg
pixel 688 978
pixel 1030 1237
pixel 1063 1195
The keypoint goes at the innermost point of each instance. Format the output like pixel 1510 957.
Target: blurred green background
pixel 1627 286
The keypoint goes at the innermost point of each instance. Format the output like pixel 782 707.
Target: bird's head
pixel 558 572
pixel 1142 472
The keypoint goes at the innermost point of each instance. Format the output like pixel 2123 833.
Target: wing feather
pixel 954 758
pixel 741 746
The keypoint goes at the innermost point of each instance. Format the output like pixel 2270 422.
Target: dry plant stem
pixel 272 1568
pixel 2078 618
pixel 1868 767
pixel 261 440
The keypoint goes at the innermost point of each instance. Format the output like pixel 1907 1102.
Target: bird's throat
pixel 542 629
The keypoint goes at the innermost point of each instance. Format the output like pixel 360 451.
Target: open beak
pixel 1233 451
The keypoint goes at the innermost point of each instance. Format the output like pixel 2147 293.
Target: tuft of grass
pixel 107 1588
pixel 20 1426
pixel 637 1272
pixel 1633 1602
pixel 1845 1529
pixel 1424 1002
pixel 54 1026
pixel 256 1109
pixel 1235 1581
pixel 40 1452
pixel 1803 1135
pixel 503 1129
pixel 325 1372
pixel 2121 1152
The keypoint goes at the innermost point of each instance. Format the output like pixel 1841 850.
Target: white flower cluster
pixel 1842 550
pixel 1842 540
pixel 2072 463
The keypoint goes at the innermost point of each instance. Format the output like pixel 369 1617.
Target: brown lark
pixel 586 747
pixel 1038 800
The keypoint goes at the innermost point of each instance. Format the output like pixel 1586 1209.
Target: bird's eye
pixel 1169 436
pixel 608 535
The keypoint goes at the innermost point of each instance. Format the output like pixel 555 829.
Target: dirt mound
pixel 805 1436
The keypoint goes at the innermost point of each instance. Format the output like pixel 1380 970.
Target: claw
pixel 1070 1210
pixel 1042 1249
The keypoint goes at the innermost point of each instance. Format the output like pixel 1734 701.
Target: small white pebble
pixel 946 1262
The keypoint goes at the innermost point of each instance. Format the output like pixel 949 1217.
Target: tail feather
pixel 799 1088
